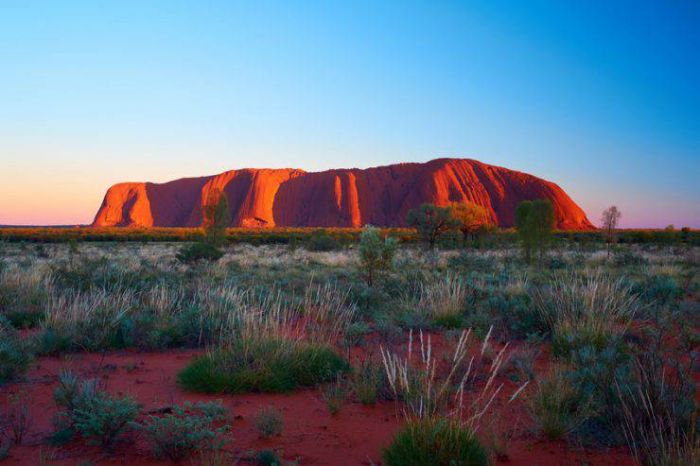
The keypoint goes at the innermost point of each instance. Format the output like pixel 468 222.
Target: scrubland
pixel 115 353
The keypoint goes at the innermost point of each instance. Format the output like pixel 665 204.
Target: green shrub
pixel 534 222
pixel 269 422
pixel 263 365
pixel 334 394
pixel 599 375
pixel 197 252
pixel 585 311
pixel 435 442
pixel 268 458
pixel 91 411
pixel 431 221
pixel 14 354
pixel 368 382
pixel 376 254
pixel 186 430
pixel 103 418
pixel 558 406
pixel 319 240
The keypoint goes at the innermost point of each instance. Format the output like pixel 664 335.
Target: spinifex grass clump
pixel 438 442
pixel 585 311
pixel 559 406
pixel 263 365
pixel 440 423
pixel 444 301
pixel 23 294
pixel 85 320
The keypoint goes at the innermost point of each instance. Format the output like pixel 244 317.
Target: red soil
pixel 336 198
pixel 311 435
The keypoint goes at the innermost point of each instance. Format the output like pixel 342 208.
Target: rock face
pixel 335 198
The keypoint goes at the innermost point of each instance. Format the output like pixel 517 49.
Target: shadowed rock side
pixel 336 198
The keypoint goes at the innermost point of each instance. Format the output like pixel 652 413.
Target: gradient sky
pixel 601 97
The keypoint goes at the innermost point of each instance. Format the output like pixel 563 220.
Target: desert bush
pixel 431 221
pixel 327 311
pixel 659 290
pixel 23 294
pixel 659 409
pixel 198 252
pixel 376 255
pixel 356 332
pixel 473 220
pixel 14 353
pixel 558 406
pixel 320 241
pixel 368 382
pixel 103 418
pixel 264 365
pixel 443 301
pixel 187 429
pixel 335 395
pixel 426 395
pixel 17 418
pixel 268 458
pixel 435 441
pixel 86 321
pixel 581 311
pixel 269 422
pixel 627 258
pixel 91 411
pixel 215 217
pixel 534 221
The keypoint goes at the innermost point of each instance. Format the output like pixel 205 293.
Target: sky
pixel 601 97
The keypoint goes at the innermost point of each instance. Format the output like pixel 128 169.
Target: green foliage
pixel 91 411
pixel 435 442
pixel 431 221
pixel 534 221
pixel 216 217
pixel 263 365
pixel 473 220
pixel 103 418
pixel 187 429
pixel 269 422
pixel 558 406
pixel 368 382
pixel 268 458
pixel 376 255
pixel 197 252
pixel 335 395
pixel 320 241
pixel 14 354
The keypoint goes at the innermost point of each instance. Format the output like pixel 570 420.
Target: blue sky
pixel 601 97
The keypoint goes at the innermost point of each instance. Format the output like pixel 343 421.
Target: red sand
pixel 335 198
pixel 311 435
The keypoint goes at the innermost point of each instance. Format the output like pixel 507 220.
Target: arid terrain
pixel 482 336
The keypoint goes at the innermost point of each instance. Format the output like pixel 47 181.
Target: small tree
pixel 611 216
pixel 473 219
pixel 376 254
pixel 216 217
pixel 431 221
pixel 534 221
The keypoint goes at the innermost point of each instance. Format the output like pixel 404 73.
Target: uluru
pixel 354 197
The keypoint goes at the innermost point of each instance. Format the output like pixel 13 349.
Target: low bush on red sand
pixel 263 365
pixel 92 412
pixel 186 429
pixel 439 442
pixel 14 357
